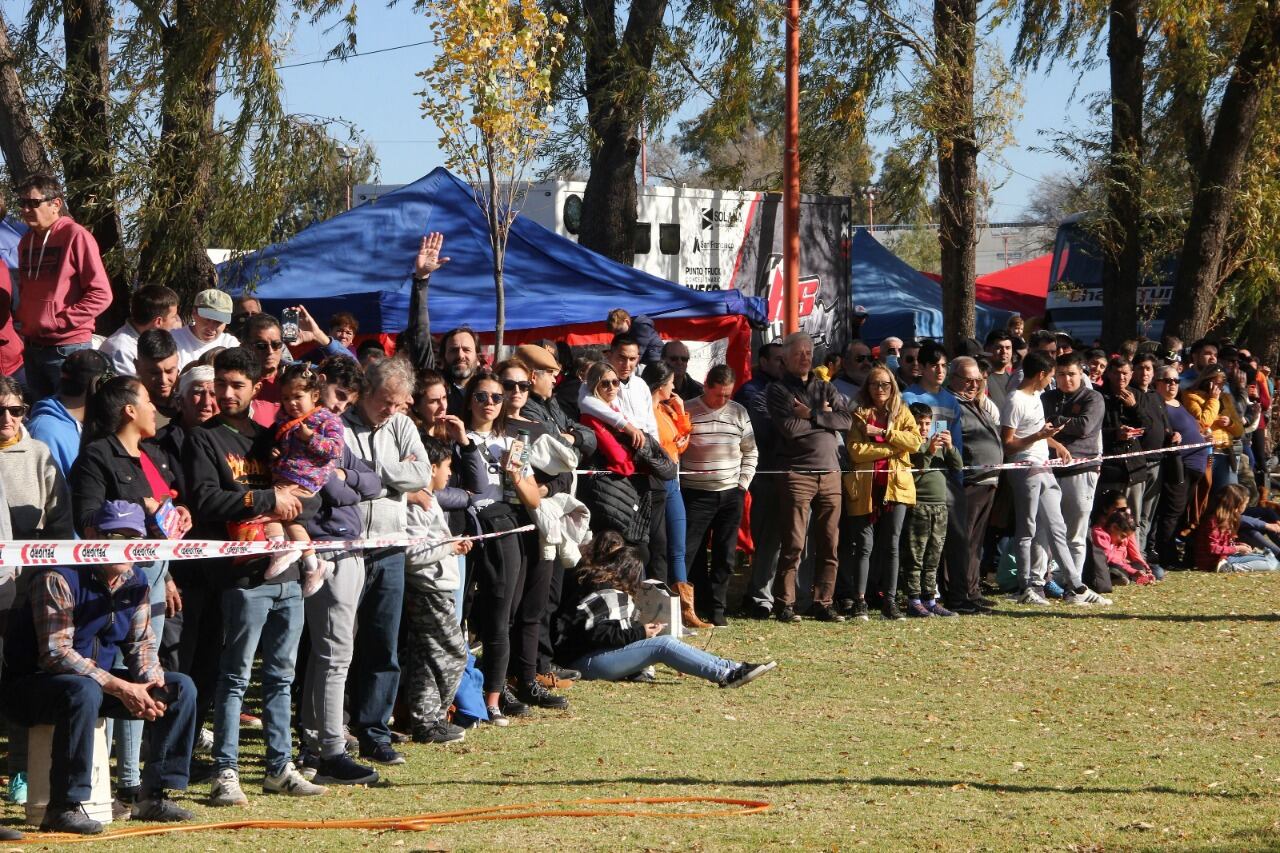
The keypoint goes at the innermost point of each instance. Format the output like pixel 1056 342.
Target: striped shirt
pixel 722 448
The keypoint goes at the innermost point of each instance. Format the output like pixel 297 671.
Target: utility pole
pixel 347 155
pixel 791 177
pixel 870 192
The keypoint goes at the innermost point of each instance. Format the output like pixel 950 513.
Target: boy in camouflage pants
pixel 926 525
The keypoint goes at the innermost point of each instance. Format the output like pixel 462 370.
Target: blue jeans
pixel 128 733
pixel 375 667
pixel 617 664
pixel 677 572
pixel 1223 475
pixel 43 366
pixel 72 705
pixel 1265 562
pixel 270 613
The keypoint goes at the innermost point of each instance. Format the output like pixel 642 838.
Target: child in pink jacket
pixel 1114 535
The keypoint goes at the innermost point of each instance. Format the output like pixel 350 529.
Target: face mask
pixel 892 361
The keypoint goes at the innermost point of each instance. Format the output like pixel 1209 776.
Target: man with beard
pixel 461 358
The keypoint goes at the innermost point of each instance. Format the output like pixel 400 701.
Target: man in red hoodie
pixel 62 285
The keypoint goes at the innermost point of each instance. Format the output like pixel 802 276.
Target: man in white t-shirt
pixel 207 329
pixel 1037 497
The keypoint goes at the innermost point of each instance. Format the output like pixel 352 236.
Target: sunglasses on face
pixel 33 203
pixel 908 359
pixel 608 383
pixel 265 345
pixel 880 386
pixel 510 385
pixel 484 398
pixel 14 411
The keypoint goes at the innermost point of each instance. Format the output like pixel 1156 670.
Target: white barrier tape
pixel 1003 466
pixel 64 552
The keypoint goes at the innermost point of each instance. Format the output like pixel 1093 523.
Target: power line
pixel 355 54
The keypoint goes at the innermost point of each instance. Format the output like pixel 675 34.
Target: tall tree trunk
pixel 23 151
pixel 955 30
pixel 616 78
pixel 1199 262
pixel 1263 331
pixel 173 245
pixel 1122 259
pixel 81 130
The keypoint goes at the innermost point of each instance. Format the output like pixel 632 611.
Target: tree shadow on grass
pixel 879 781
pixel 1095 613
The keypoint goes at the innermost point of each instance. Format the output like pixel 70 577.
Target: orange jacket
pixel 674 426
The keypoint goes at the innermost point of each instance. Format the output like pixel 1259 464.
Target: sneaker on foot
pixel 916 609
pixel 382 753
pixel 226 790
pixel 510 705
pixel 18 788
pixel 308 763
pixel 1088 598
pixel 1031 595
pixel 496 717
pixel 891 612
pixel 860 610
pixel 538 696
pixel 280 563
pixel 935 607
pixel 290 781
pixel 204 740
pixel 1052 589
pixel 786 615
pixel 249 721
pixel 343 770
pixel 441 731
pixel 745 673
pixel 845 606
pixel 158 808
pixel 824 613
pixel 69 817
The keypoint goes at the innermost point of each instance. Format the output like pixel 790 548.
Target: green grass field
pixel 1150 724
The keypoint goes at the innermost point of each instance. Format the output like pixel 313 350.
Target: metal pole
pixel 644 156
pixel 791 176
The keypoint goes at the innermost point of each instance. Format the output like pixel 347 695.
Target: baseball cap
pixel 83 366
pixel 121 516
pixel 537 357
pixel 214 304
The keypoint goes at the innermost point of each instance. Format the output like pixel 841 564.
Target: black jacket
pixel 551 413
pixel 811 444
pixel 1117 415
pixel 104 471
pixel 689 389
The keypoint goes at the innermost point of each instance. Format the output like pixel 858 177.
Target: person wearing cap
pixel 208 327
pixel 859 317
pixel 152 306
pixel 543 405
pixel 59 670
pixel 57 420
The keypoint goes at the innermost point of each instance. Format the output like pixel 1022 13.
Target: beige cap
pixel 214 304
pixel 537 357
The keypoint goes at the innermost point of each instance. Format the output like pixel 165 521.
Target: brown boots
pixel 687 614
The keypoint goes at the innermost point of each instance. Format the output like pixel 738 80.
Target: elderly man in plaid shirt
pixel 58 671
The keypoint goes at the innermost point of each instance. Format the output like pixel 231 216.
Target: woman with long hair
pixel 879 487
pixel 1213 408
pixel 1217 546
pixel 601 633
pixel 117 462
pixel 1183 491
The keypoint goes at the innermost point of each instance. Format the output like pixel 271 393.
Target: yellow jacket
pixel 1206 410
pixel 901 440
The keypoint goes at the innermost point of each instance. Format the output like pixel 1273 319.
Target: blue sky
pixel 378 94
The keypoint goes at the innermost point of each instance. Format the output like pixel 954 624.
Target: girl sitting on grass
pixel 601 636
pixel 1217 549
pixel 1114 535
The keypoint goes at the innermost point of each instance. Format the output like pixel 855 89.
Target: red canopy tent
pixel 1022 288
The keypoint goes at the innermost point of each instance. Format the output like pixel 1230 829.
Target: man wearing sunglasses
pixel 857 364
pixel 675 355
pixel 62 285
pixel 264 337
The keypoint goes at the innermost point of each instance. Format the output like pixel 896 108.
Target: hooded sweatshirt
pixel 62 285
pixel 51 423
pixel 384 448
pixel 10 341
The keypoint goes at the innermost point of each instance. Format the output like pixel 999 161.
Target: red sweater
pixel 62 285
pixel 617 458
pixel 10 342
pixel 1213 544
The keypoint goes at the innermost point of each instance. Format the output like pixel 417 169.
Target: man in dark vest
pixel 58 671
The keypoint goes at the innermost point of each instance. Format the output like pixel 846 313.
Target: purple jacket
pixel 309 462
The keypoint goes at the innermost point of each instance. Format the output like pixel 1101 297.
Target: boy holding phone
pixel 1037 497
pixel 926 524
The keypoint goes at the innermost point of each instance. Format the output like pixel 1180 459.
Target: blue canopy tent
pixel 900 301
pixel 362 261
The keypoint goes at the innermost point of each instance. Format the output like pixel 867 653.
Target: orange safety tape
pixel 516 811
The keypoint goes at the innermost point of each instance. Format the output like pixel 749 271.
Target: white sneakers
pixel 1030 596
pixel 293 783
pixel 227 790
pixel 1088 598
